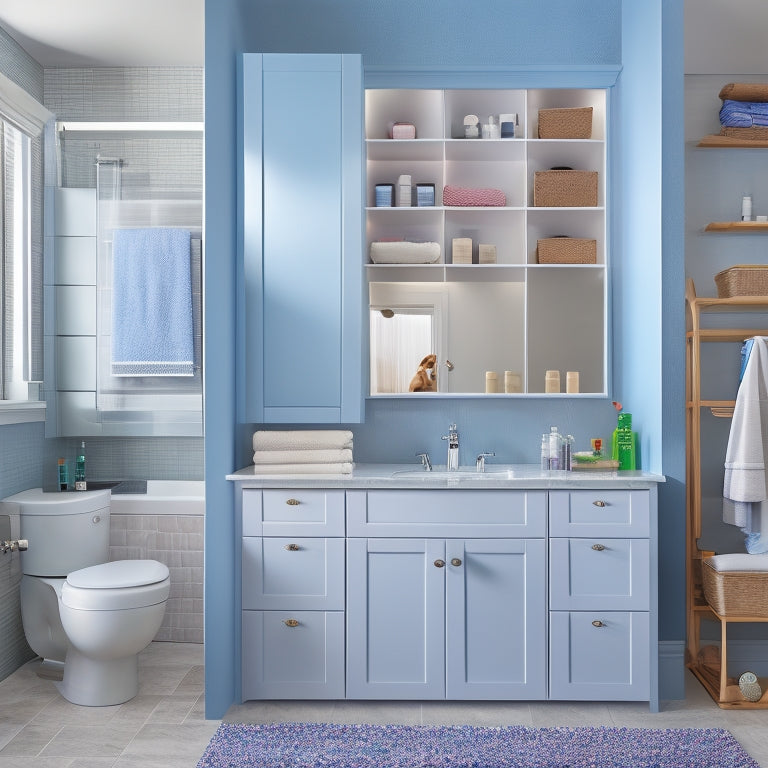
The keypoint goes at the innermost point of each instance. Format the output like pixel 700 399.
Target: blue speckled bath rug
pixel 324 745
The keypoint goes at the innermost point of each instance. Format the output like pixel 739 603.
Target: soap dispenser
pixel 624 443
pixel 80 484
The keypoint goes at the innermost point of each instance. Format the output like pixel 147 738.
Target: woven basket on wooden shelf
pixel 742 280
pixel 736 593
pixel 566 250
pixel 565 188
pixel 565 123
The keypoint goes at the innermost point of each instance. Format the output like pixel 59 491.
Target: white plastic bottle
pixel 554 448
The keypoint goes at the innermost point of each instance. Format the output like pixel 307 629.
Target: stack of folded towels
pixel 314 451
pixel 744 111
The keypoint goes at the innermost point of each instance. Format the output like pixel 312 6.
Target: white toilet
pixel 77 608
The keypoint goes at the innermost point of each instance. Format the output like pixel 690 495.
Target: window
pixel 22 120
pixel 15 261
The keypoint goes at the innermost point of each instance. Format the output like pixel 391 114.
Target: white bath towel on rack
pixel 744 484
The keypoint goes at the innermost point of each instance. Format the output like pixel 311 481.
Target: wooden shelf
pixel 737 226
pixel 716 140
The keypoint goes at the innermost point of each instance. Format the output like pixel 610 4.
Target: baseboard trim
pixel 671 670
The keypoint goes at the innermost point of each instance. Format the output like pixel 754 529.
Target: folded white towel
pixel 310 456
pixel 298 439
pixel 343 468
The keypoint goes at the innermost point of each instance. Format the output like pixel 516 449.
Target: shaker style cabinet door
pixel 300 281
pixel 496 623
pixel 395 619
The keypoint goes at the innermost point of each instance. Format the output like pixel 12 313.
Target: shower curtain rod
pixel 69 126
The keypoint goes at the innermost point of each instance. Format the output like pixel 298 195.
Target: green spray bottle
pixel 624 443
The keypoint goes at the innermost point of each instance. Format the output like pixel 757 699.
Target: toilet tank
pixel 66 530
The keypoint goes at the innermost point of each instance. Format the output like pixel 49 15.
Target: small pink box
pixel 402 131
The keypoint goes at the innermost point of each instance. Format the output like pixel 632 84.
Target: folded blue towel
pixel 152 333
pixel 743 114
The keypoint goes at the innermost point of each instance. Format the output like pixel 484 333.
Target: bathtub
pixel 163 497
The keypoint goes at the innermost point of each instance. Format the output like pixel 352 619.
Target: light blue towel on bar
pixel 152 333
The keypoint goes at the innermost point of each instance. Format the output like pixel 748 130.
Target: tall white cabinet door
pixel 301 283
pixel 496 619
pixel 395 618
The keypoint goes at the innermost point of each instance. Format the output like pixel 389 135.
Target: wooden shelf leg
pixel 723 659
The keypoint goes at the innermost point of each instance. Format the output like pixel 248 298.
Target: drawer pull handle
pixel 456 561
pixel 292 547
pixel 597 623
pixel 291 623
pixel 439 563
pixel 293 502
pixel 598 547
pixel 599 503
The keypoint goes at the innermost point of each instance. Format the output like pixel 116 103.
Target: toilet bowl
pixel 78 609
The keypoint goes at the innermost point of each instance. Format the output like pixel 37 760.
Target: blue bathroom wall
pixel 446 37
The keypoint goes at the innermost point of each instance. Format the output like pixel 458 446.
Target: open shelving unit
pixel 535 336
pixel 709 664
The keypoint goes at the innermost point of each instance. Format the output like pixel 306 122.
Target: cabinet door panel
pixel 604 662
pixel 300 316
pixel 496 619
pixel 293 573
pixel 609 574
pixel 293 655
pixel 395 619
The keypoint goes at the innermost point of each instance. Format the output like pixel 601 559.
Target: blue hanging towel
pixel 152 331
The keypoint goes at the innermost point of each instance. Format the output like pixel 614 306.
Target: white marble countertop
pixel 383 476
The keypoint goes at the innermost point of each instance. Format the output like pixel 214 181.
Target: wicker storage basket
pixel 736 593
pixel 567 123
pixel 742 280
pixel 565 189
pixel 566 250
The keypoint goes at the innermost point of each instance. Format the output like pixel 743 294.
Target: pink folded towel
pixel 463 196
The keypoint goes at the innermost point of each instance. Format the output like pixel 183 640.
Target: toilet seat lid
pixel 119 574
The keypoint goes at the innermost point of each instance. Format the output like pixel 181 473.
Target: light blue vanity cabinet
pixel 432 614
pixel 602 595
pixel 300 291
pixel 293 594
pixel 541 586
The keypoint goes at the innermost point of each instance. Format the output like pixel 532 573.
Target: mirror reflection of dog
pixel 425 379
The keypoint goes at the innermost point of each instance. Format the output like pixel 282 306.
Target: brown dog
pixel 425 379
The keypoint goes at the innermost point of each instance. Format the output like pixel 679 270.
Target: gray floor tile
pixel 105 740
pixel 281 712
pixel 490 714
pixel 551 714
pixel 158 742
pixel 36 762
pixel 378 713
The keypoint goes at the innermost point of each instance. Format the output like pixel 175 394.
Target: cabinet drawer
pixel 599 655
pixel 447 513
pixel 623 514
pixel 610 574
pixel 293 573
pixel 293 512
pixel 293 655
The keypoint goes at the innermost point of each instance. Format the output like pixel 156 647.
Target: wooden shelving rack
pixel 709 664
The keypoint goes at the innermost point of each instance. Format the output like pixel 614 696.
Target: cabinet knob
pixel 456 561
pixel 295 547
pixel 439 563
pixel 599 503
pixel 598 547
pixel 597 623
pixel 293 502
pixel 291 623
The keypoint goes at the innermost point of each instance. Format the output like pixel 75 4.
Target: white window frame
pixel 18 108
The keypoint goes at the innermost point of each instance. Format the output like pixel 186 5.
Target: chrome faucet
pixel 480 465
pixel 425 461
pixel 453 447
